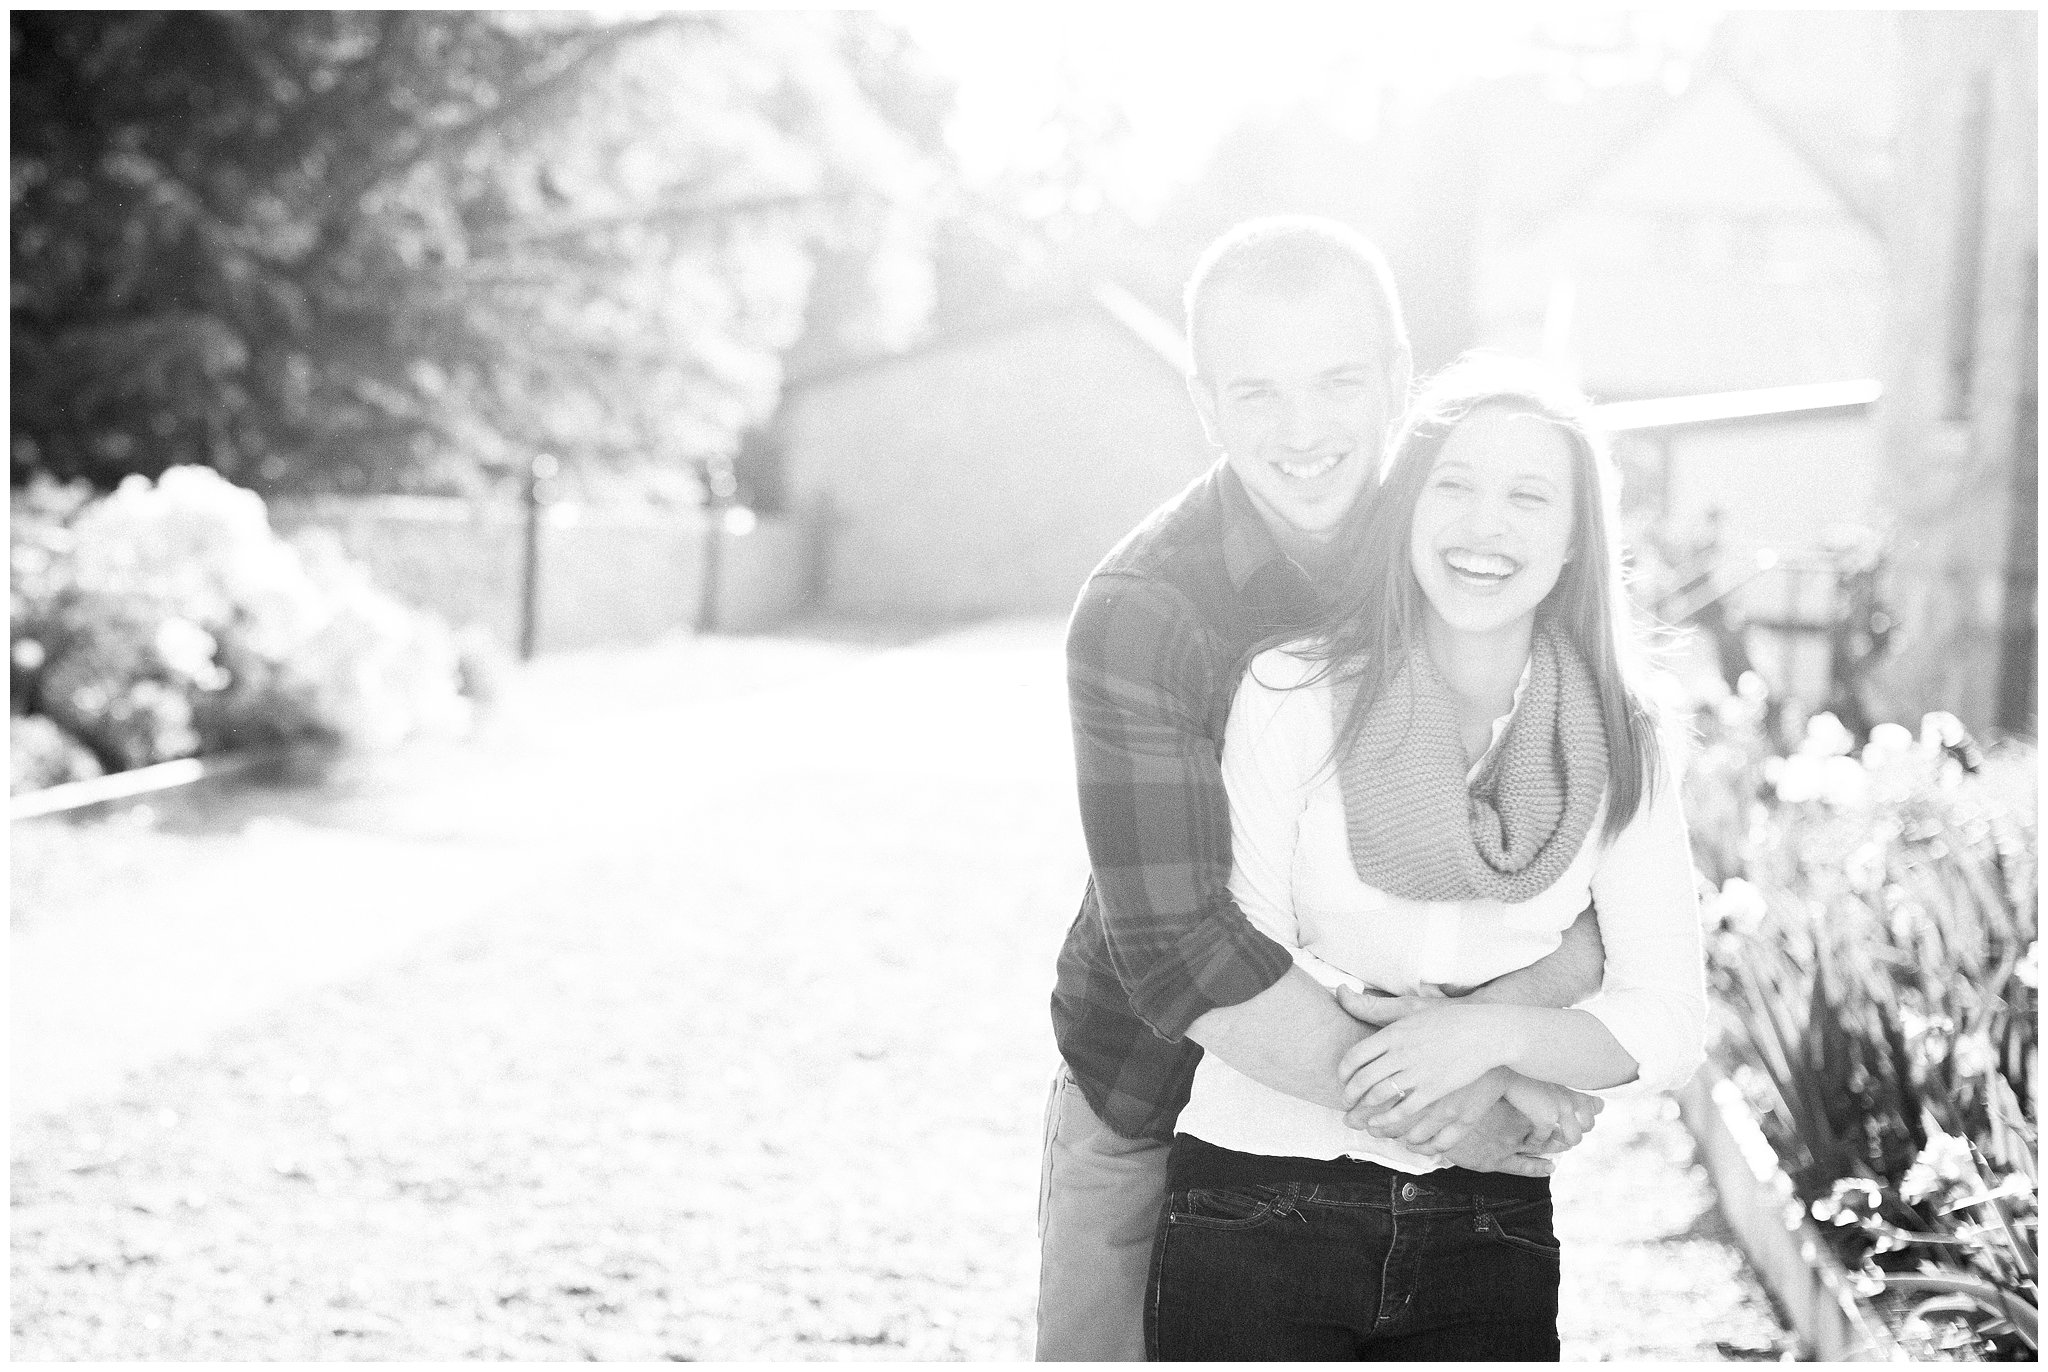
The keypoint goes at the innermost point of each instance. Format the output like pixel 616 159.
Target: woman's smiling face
pixel 1493 525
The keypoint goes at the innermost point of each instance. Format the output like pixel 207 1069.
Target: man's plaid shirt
pixel 1157 642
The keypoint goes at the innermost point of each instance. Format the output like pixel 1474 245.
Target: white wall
pixel 989 476
pixel 1780 482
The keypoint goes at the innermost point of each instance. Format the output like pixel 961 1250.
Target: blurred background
pixel 522 523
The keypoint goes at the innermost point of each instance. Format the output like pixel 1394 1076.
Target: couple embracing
pixel 1389 882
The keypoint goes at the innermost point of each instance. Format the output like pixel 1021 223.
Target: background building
pixel 991 470
pixel 1959 421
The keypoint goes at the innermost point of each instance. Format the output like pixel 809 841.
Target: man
pixel 1300 364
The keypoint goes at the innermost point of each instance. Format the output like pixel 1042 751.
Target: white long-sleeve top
pixel 1292 875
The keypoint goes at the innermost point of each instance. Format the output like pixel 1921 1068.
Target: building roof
pixel 1860 201
pixel 1547 155
pixel 1544 155
pixel 1147 327
pixel 1685 411
pixel 1131 315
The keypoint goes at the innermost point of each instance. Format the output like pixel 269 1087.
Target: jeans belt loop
pixel 1290 1202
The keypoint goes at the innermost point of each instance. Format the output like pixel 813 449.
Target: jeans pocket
pixel 1525 1227
pixel 1241 1207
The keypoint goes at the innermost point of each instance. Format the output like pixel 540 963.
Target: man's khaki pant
pixel 1100 1196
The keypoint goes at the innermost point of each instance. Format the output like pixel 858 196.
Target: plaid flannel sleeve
pixel 1140 680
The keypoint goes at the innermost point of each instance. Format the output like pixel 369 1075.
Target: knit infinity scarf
pixel 1420 831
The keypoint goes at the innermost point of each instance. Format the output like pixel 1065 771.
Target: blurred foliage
pixel 166 619
pixel 396 249
pixel 40 754
pixel 1872 948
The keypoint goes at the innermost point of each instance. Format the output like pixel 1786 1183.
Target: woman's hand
pixel 1445 1124
pixel 1426 1050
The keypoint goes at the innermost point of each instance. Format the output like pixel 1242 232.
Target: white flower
pixel 2028 969
pixel 1825 737
pixel 1739 902
pixel 1798 778
pixel 1930 1034
pixel 1865 867
pixel 1844 783
pixel 1939 729
pixel 1974 1056
pixel 185 648
pixel 1943 1163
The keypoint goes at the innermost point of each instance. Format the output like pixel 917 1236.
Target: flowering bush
pixel 167 619
pixel 41 754
pixel 1872 947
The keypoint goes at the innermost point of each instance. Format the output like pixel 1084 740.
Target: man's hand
pixel 1559 1116
pixel 1496 1144
pixel 1564 977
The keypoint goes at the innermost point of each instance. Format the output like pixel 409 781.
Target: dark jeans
pixel 1259 1259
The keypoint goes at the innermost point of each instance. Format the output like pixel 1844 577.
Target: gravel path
pixel 745 1062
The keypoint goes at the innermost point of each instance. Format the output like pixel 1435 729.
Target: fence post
pixel 720 486
pixel 539 471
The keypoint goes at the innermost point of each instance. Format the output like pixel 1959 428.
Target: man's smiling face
pixel 1297 387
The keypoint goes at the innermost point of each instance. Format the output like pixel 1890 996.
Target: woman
pixel 1424 795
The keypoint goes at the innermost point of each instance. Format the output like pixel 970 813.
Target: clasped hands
pixel 1436 1067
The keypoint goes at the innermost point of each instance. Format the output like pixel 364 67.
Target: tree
pixel 397 249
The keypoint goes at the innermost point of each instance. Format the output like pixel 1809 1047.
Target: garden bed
pixel 1872 949
pixel 1814 1294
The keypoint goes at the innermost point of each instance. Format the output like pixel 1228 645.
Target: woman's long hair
pixel 1375 613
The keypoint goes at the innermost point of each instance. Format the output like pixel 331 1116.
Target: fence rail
pixel 139 781
pixel 605 576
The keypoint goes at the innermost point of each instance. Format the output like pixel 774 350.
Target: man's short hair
pixel 1288 254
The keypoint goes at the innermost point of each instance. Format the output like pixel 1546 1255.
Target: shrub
pixel 1872 948
pixel 167 619
pixel 40 754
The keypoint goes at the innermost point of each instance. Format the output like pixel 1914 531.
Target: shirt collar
pixel 1500 725
pixel 1248 545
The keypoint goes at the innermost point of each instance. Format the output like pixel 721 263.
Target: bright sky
pixel 1187 74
